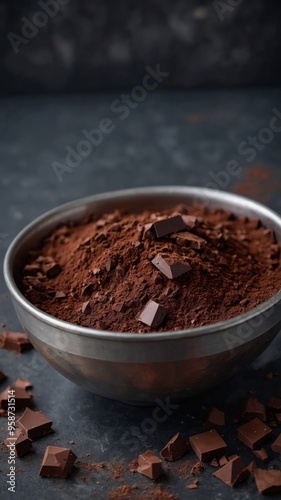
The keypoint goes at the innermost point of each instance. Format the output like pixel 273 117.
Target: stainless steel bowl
pixel 141 368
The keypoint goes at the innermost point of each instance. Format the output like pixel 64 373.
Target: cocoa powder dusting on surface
pixel 100 274
pixel 259 182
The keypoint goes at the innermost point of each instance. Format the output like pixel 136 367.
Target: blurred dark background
pixel 74 46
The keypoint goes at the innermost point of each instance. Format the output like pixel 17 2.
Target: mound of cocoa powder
pixel 198 266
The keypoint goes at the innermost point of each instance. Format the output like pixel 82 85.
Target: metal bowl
pixel 141 368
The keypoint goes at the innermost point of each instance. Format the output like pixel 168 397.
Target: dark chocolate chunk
pixel 86 307
pixel 208 445
pixel 23 383
pixel 87 290
pixel 173 270
pixel 190 220
pixel 15 341
pixel 223 461
pixel 190 240
pixel 254 409
pixel 175 448
pixel 35 423
pixel 152 314
pixel 57 462
pixel 216 417
pixel 22 398
pixel 276 446
pixel 274 404
pixel 150 465
pixel 169 226
pixel 20 441
pixel 233 472
pixel 52 269
pixel 31 270
pixel 267 481
pixel 254 433
pixel 261 454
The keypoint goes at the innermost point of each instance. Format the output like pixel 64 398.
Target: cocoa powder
pixel 98 273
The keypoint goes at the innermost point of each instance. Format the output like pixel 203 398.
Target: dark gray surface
pixel 104 44
pixel 169 139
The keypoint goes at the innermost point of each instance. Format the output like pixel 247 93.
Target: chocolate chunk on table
pixel 208 445
pixel 57 462
pixel 233 472
pixel 15 341
pixel 268 481
pixel 171 270
pixel 175 448
pixel 216 417
pixel 21 396
pixel 150 465
pixel 254 433
pixel 254 409
pixel 261 454
pixel 276 446
pixel 152 314
pixel 274 405
pixel 21 442
pixel 169 226
pixel 35 423
pixel 23 383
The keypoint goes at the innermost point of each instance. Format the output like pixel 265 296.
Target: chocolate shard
pixel 31 270
pixel 274 405
pixel 169 226
pixel 119 307
pixel 254 433
pixel 21 396
pixel 267 481
pixel 87 290
pixel 189 239
pixel 60 295
pixel 57 462
pixel 15 341
pixel 261 454
pixel 152 314
pixel 150 465
pixel 23 383
pixel 233 472
pixel 35 423
pixel 175 448
pixel 276 446
pixel 223 461
pixel 52 269
pixel 190 220
pixel 254 409
pixel 208 445
pixel 173 270
pixel 193 485
pixel 86 307
pixel 216 417
pixel 20 441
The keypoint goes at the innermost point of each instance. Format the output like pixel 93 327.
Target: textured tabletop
pixel 168 138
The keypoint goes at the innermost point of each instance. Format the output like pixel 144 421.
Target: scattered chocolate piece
pixel 173 270
pixel 31 269
pixel 223 461
pixel 35 423
pixel 216 417
pixel 267 481
pixel 261 454
pixel 21 442
pixel 15 341
pixel 254 433
pixel 233 472
pixel 52 269
pixel 194 485
pixel 87 290
pixel 23 383
pixel 190 220
pixel 119 307
pixel 175 448
pixel 153 314
pixel 190 240
pixel 108 264
pixel 208 445
pixel 254 409
pixel 274 404
pixel 276 446
pixel 57 462
pixel 22 398
pixel 215 463
pixel 60 295
pixel 150 465
pixel 86 307
pixel 168 226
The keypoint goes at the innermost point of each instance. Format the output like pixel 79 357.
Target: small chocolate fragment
pixel 51 270
pixel 31 270
pixel 190 220
pixel 173 270
pixel 57 462
pixel 254 409
pixel 267 481
pixel 175 448
pixel 254 433
pixel 35 423
pixel 169 226
pixel 86 308
pixel 87 290
pixel 233 472
pixel 276 446
pixel 216 417
pixel 223 461
pixel 108 264
pixel 215 463
pixel 190 240
pixel 22 398
pixel 60 295
pixel 193 486
pixel 23 383
pixel 208 445
pixel 119 307
pixel 21 442
pixel 274 404
pixel 261 454
pixel 15 341
pixel 150 465
pixel 152 314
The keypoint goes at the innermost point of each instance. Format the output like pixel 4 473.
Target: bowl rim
pixel 76 329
